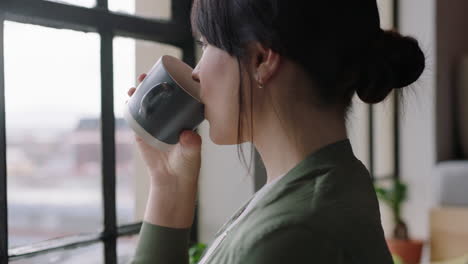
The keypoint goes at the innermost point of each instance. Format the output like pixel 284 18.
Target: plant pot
pixel 408 250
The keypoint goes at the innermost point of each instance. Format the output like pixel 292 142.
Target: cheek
pixel 223 120
pixel 220 83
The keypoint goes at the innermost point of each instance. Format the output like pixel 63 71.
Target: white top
pixel 256 197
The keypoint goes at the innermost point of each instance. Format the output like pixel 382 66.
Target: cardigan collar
pixel 314 164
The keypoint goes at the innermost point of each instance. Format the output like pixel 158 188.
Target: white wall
pixel 417 145
pixel 223 186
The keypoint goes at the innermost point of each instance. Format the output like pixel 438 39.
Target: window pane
pixel 53 94
pixel 126 248
pixel 131 57
pixel 93 254
pixel 84 3
pixel 160 9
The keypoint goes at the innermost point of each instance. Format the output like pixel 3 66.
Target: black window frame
pixel 99 19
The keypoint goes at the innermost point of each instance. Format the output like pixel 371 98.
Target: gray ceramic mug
pixel 165 103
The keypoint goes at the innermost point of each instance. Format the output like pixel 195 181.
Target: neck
pixel 283 145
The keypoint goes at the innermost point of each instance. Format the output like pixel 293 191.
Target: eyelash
pixel 200 43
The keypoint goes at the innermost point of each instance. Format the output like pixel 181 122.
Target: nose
pixel 195 74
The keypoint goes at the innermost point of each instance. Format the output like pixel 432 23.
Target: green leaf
pixel 195 252
pixel 396 259
pixel 385 195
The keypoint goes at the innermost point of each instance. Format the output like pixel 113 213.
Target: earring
pixel 260 84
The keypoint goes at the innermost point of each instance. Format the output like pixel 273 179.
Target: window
pixel 160 9
pixel 67 177
pixel 53 156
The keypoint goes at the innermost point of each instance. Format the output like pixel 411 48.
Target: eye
pixel 201 44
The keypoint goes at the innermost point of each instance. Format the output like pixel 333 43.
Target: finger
pixel 141 77
pixel 131 91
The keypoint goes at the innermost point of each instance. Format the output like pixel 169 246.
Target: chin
pixel 223 138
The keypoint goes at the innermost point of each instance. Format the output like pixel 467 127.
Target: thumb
pixel 190 143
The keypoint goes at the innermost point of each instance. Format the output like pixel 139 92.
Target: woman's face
pixel 218 75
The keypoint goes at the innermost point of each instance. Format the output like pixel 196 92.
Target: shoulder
pixel 314 217
pixel 292 243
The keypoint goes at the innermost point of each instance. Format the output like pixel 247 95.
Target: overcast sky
pixel 52 76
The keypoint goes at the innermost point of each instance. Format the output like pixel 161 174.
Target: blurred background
pixel 52 80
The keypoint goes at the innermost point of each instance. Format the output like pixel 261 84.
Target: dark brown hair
pixel 338 42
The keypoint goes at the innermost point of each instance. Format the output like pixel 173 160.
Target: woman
pixel 281 75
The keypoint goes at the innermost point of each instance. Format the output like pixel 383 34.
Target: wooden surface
pixel 449 232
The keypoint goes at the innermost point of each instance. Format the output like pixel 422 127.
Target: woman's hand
pixel 174 178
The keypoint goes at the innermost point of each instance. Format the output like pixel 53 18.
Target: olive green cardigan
pixel 324 210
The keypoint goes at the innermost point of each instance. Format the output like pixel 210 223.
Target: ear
pixel 265 62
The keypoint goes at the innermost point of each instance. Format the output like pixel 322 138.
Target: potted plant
pixel 195 252
pixel 400 244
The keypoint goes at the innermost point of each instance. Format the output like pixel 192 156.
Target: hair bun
pixel 394 61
